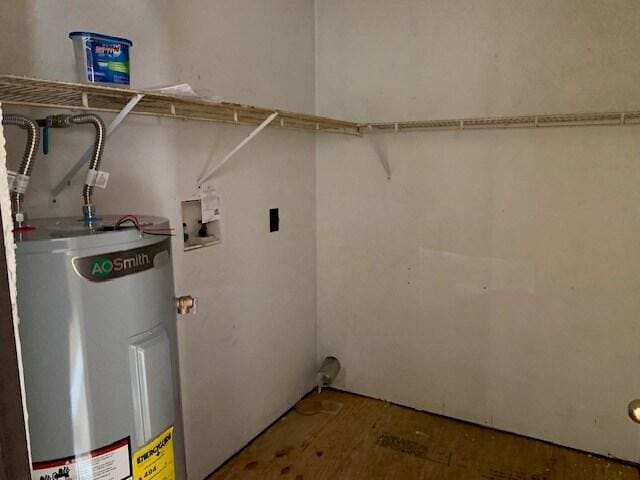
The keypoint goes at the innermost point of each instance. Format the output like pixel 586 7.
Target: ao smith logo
pixel 109 266
pixel 103 267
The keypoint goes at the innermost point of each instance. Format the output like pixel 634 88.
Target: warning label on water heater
pixel 106 463
pixel 154 461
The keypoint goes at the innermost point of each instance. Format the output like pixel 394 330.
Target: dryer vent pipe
pixel 328 372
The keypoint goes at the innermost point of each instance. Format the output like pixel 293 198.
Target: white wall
pixel 250 352
pixel 495 277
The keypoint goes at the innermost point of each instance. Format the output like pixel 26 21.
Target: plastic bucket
pixel 101 58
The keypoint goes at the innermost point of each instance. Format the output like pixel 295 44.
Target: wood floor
pixel 344 436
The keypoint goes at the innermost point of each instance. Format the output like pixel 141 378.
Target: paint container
pixel 327 373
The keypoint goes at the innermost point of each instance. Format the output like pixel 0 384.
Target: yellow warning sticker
pixel 154 461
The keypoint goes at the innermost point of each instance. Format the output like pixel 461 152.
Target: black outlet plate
pixel 274 220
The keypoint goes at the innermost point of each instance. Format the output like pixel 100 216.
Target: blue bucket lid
pixel 102 36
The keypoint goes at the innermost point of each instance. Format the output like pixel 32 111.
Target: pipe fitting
pixel 19 218
pixel 634 410
pixel 89 212
pixel 186 304
pixel 57 121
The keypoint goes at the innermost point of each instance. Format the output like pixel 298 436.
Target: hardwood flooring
pixel 344 436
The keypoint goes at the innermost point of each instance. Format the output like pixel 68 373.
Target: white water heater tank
pixel 98 333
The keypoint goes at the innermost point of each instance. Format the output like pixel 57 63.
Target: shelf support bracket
pixel 115 123
pixel 382 158
pixel 385 164
pixel 209 171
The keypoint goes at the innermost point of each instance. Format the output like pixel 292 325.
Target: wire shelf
pixel 17 90
pixel 523 121
pixel 24 91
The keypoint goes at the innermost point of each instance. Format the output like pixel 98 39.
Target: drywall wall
pixel 249 353
pixel 495 277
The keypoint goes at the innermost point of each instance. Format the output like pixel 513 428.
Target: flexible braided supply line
pixel 98 147
pixel 33 140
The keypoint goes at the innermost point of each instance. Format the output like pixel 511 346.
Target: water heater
pixel 98 332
